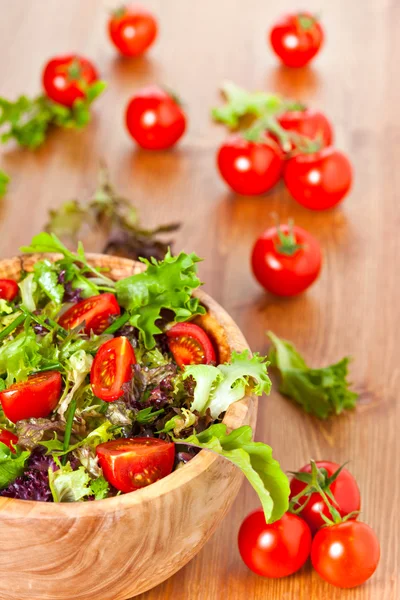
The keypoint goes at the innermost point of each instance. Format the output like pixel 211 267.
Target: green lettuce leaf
pixel 78 366
pixel 5 308
pixel 255 461
pixel 46 275
pixel 11 464
pixel 100 488
pixel 219 387
pixel 320 392
pixel 67 485
pixel 20 356
pixel 4 181
pixel 167 284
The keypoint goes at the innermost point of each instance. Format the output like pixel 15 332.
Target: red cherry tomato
pixel 296 39
pixel 65 78
pixel 250 168
pixel 8 438
pixel 35 398
pixel 320 180
pixel 154 119
pixel 275 550
pixel 344 489
pixel 345 554
pixel 95 312
pixel 130 464
pixel 309 123
pixel 190 345
pixel 132 30
pixel 281 268
pixel 8 289
pixel 111 368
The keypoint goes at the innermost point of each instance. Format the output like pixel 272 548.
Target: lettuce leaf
pixel 46 275
pixel 4 181
pixel 167 284
pixel 219 387
pixel 20 356
pixel 99 488
pixel 67 485
pixel 255 461
pixel 12 464
pixel 321 392
pixel 78 367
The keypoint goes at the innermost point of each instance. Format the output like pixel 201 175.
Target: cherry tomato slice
pixel 65 78
pixel 8 289
pixel 344 489
pixel 286 274
pixel 130 464
pixel 95 312
pixel 132 30
pixel 154 119
pixel 296 39
pixel 276 549
pixel 250 168
pixel 346 554
pixel 111 368
pixel 8 438
pixel 190 345
pixel 35 398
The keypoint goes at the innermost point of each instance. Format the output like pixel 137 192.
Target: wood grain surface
pixel 353 308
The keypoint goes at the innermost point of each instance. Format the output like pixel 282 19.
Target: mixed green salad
pixel 108 386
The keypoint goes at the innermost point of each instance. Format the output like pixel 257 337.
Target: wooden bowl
pixel 120 547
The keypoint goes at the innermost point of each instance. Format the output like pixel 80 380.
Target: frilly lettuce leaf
pixel 78 367
pixel 67 485
pixel 12 464
pixel 166 284
pixel 255 461
pixel 219 387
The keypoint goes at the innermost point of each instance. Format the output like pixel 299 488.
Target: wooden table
pixel 353 309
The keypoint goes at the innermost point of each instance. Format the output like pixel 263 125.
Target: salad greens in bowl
pixel 120 384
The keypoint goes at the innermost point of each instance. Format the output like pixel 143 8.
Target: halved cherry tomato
pixel 296 39
pixel 95 312
pixel 35 398
pixel 8 438
pixel 190 345
pixel 318 180
pixel 250 168
pixel 344 489
pixel 111 368
pixel 66 78
pixel 155 119
pixel 309 123
pixel 286 260
pixel 345 554
pixel 132 29
pixel 130 464
pixel 276 549
pixel 8 289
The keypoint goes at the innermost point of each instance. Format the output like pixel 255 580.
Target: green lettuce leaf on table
pixel 321 392
pixel 219 387
pixel 12 464
pixel 4 181
pixel 255 461
pixel 166 284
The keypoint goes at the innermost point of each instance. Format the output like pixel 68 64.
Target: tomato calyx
pixel 306 22
pixel 287 241
pixel 318 481
pixel 119 12
pixel 74 71
pixel 173 95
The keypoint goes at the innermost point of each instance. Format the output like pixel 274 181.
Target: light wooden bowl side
pixel 117 548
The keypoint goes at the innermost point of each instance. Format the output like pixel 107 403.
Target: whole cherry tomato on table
pixel 250 167
pixel 95 312
pixel 132 29
pixel 8 289
pixel 132 463
pixel 8 438
pixel 309 123
pixel 155 119
pixel 345 554
pixel 318 180
pixel 66 78
pixel 296 39
pixel 111 368
pixel 190 345
pixel 337 481
pixel 286 260
pixel 276 549
pixel 34 398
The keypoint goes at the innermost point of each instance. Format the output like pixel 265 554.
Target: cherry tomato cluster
pixel 321 522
